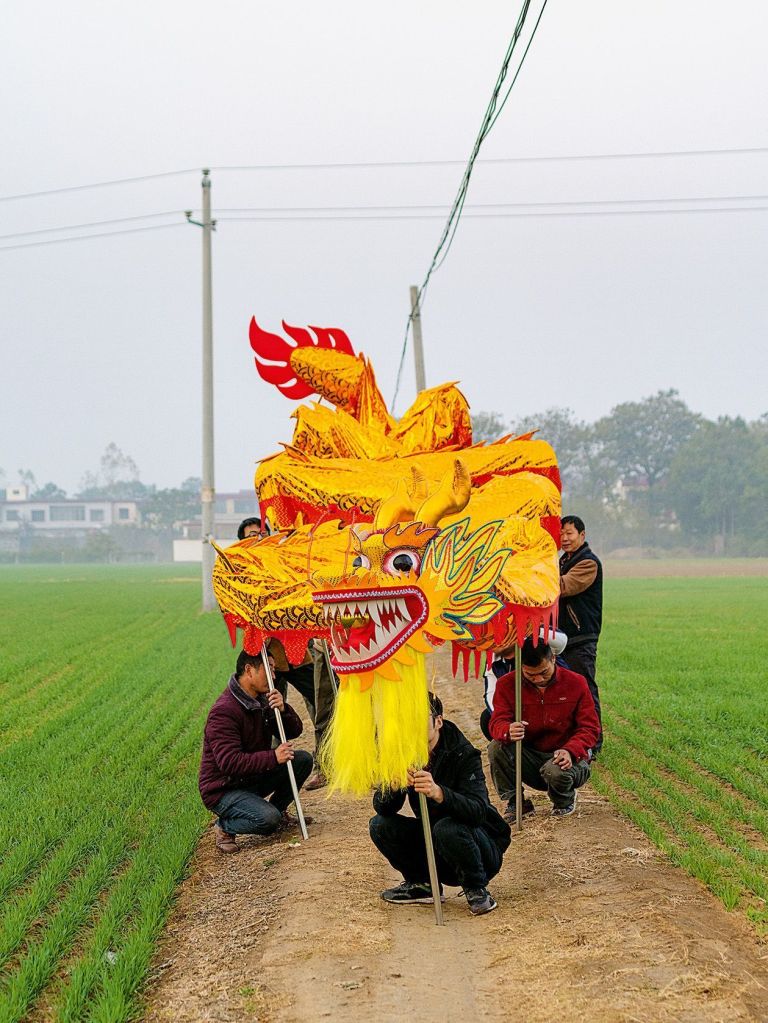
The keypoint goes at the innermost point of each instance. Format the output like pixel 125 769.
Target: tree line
pixel 117 478
pixel 653 474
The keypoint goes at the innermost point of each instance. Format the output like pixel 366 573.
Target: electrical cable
pixel 449 231
pixel 388 164
pixel 493 216
pixel 554 158
pixel 91 223
pixel 531 212
pixel 388 212
pixel 99 184
pixel 98 234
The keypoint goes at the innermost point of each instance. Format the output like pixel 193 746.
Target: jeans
pixel 246 811
pixel 539 772
pixel 465 856
pixel 581 659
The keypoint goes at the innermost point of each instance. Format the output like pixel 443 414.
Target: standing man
pixel 558 729
pixel 580 613
pixel 242 779
pixel 470 838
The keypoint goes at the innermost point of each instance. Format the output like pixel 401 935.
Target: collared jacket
pixel 560 716
pixel 237 744
pixel 457 768
pixel 580 613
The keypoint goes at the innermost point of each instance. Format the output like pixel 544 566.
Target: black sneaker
pixel 411 893
pixel 480 901
pixel 565 811
pixel 528 810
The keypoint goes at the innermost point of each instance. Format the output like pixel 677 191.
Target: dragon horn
pixel 397 508
pixel 452 496
pixel 418 488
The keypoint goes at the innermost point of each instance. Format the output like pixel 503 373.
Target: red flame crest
pixel 273 353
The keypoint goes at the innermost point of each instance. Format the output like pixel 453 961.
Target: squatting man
pixel 243 780
pixel 559 728
pixel 470 837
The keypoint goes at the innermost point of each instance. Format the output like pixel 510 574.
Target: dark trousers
pixel 246 810
pixel 313 683
pixel 539 772
pixel 581 659
pixel 465 856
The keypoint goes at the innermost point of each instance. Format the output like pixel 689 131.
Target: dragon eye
pixel 401 561
pixel 361 561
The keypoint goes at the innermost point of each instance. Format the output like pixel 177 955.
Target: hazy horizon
pixel 102 336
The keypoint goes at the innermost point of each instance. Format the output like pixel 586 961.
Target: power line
pixel 555 158
pixel 99 184
pixel 492 205
pixel 520 210
pixel 489 119
pixel 83 237
pixel 388 211
pixel 391 164
pixel 492 216
pixel 91 223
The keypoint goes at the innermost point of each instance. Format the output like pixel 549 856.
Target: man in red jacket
pixel 559 729
pixel 242 779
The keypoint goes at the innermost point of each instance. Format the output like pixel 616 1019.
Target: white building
pixel 229 512
pixel 64 517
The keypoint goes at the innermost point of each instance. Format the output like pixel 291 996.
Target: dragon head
pixel 412 584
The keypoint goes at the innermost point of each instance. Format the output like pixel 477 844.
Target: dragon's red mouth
pixel 368 626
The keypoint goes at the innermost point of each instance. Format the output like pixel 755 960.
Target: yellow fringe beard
pixel 379 733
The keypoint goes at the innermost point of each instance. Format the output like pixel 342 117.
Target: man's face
pixel 257 677
pixel 540 675
pixel 570 538
pixel 253 530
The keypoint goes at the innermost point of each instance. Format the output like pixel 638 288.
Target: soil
pixel 593 924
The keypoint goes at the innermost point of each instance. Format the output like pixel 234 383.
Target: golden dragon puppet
pixel 391 537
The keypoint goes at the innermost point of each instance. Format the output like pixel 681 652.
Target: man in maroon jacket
pixel 559 729
pixel 239 769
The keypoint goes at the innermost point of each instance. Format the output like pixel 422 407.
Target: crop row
pixel 686 755
pixel 99 807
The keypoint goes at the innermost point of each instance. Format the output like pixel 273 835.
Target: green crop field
pixel 106 677
pixel 682 670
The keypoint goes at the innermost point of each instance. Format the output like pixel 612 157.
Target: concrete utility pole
pixel 208 492
pixel 418 347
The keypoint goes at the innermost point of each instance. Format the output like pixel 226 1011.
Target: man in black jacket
pixel 469 835
pixel 580 613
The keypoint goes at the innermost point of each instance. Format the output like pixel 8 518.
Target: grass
pixel 682 673
pixel 108 673
pixel 107 676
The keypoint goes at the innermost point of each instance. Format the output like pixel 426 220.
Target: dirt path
pixel 593 924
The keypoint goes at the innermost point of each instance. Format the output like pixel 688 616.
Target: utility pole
pixel 418 347
pixel 208 490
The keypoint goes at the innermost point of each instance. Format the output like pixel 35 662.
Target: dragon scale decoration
pixel 390 538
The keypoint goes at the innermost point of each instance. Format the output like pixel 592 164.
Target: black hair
pixel 244 659
pixel 244 525
pixel 574 520
pixel 532 655
pixel 435 706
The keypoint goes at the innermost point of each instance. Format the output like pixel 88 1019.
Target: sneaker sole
pixel 484 912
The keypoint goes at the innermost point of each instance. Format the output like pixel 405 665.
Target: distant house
pixel 66 517
pixel 229 512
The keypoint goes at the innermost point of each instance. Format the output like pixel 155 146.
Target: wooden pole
pixel 327 655
pixel 418 344
pixel 519 742
pixel 431 862
pixel 281 730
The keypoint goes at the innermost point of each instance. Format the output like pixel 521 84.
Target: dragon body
pixel 391 537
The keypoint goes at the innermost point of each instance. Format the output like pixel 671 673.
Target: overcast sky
pixel 101 337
